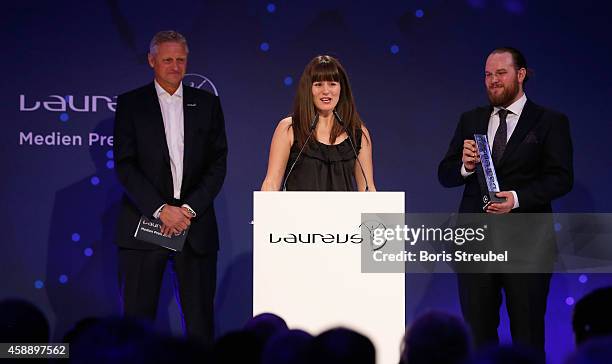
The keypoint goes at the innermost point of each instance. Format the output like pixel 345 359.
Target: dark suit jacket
pixel 142 163
pixel 537 162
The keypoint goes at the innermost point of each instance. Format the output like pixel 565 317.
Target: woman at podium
pixel 323 145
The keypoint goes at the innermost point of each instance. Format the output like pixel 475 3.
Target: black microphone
pixel 313 124
pixel 367 188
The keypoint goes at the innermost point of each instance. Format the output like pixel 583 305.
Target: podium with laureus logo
pixel 307 266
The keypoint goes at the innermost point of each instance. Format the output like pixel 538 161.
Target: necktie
pixel 501 136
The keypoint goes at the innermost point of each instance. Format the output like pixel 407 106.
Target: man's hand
pixel 502 207
pixel 470 155
pixel 175 220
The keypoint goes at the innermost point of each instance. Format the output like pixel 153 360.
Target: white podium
pixel 307 266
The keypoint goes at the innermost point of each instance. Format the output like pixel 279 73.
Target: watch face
pixel 190 211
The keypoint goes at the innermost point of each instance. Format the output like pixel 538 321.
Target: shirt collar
pixel 160 90
pixel 516 107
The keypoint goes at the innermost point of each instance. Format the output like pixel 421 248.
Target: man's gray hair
pixel 167 36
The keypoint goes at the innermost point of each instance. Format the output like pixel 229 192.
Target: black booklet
pixel 150 231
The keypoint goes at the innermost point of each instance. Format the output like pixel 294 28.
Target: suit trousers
pixel 140 279
pixel 526 294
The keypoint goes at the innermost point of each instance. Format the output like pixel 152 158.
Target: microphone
pixel 367 188
pixel 313 124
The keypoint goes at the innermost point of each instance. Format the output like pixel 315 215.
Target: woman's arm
pixel 282 140
pixel 365 157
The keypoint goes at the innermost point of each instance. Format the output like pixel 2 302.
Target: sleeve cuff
pixel 158 211
pixel 191 211
pixel 464 172
pixel 516 201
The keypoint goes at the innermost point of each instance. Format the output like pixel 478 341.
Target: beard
pixel 507 95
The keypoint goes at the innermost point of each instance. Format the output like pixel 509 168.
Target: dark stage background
pixel 414 67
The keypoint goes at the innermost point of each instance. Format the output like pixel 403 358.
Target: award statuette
pixel 485 171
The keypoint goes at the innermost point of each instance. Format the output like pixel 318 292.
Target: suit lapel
pixel 190 107
pixel 157 122
pixel 482 125
pixel 528 118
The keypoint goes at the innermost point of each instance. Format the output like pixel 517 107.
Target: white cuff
pixel 464 172
pixel 191 211
pixel 158 211
pixel 516 202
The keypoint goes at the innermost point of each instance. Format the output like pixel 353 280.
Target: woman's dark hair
pixel 323 68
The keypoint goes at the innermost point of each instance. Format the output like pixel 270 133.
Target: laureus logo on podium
pixel 368 232
pixel 198 81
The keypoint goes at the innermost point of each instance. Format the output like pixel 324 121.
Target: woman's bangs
pixel 325 71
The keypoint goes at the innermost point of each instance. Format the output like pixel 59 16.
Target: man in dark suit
pixel 532 154
pixel 170 154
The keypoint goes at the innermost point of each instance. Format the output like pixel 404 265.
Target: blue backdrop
pixel 414 67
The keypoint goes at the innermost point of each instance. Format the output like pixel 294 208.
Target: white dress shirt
pixel 174 122
pixel 514 113
pixel 172 114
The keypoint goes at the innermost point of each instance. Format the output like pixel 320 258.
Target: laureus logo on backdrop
pixel 199 81
pixel 95 103
pixel 66 105
pixel 57 103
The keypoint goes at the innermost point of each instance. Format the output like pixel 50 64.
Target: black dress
pixel 324 167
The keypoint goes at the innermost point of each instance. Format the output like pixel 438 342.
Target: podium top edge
pixel 328 192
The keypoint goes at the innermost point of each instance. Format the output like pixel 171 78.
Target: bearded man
pixel 532 154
